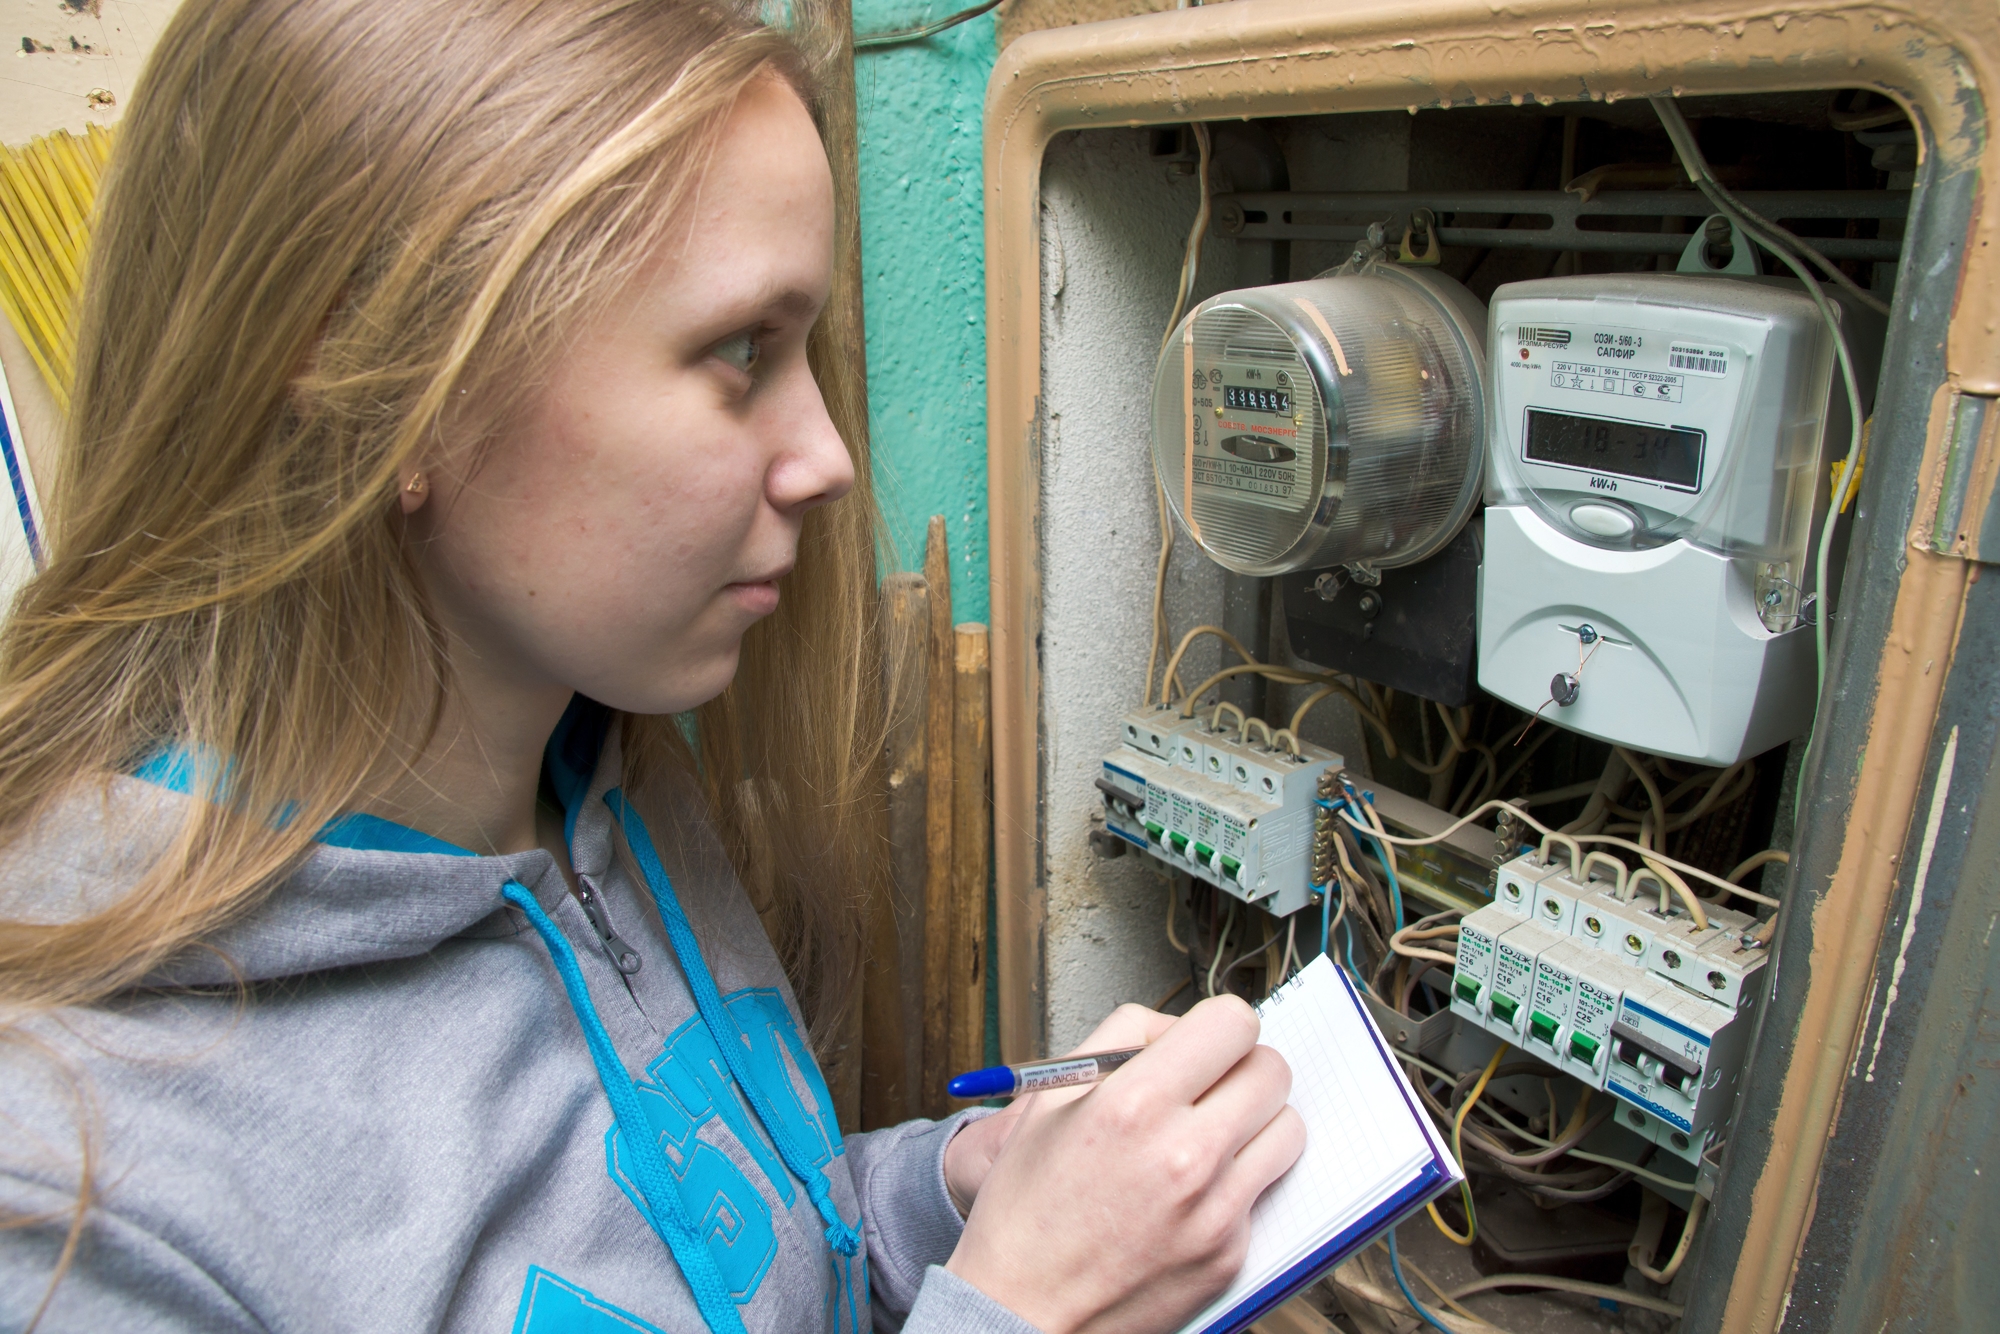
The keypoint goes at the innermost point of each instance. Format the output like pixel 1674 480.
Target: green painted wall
pixel 922 252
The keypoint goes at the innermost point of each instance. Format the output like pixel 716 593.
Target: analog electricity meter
pixel 1335 422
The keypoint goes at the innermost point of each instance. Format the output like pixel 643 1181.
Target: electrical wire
pixel 1458 1152
pixel 877 40
pixel 1850 121
pixel 1442 1295
pixel 1384 854
pixel 1743 215
pixel 1602 1160
pixel 1396 1268
pixel 1551 834
pixel 1775 240
pixel 1190 269
pixel 1603 1291
pixel 1752 862
pixel 1665 1274
pixel 1221 939
pixel 1174 662
pixel 1247 956
pixel 1191 258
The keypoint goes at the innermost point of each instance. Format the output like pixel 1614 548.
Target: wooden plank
pixel 892 994
pixel 941 656
pixel 971 846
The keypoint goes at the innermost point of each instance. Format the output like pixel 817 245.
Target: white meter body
pixel 1655 479
pixel 1333 422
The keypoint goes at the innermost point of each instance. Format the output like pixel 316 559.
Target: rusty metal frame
pixel 1293 57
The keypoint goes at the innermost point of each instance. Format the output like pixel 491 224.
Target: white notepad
pixel 1372 1156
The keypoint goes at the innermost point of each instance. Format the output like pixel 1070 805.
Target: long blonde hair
pixel 336 232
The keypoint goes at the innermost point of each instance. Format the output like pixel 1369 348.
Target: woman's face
pixel 622 535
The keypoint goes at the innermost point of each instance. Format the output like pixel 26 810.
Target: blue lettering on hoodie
pixel 550 1305
pixel 688 1086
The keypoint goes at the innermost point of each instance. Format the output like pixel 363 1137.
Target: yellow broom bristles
pixel 46 192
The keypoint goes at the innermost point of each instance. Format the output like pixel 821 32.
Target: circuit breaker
pixel 1225 808
pixel 1634 1001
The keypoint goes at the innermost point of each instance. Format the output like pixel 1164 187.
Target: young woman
pixel 451 444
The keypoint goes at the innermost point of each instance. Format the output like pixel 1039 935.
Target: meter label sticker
pixel 1623 381
pixel 1475 952
pixel 1247 436
pixel 1698 358
pixel 1552 990
pixel 1595 1009
pixel 1512 971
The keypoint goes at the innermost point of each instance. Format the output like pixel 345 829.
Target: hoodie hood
pixel 353 902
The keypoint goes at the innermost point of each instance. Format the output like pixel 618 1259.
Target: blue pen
pixel 1009 1081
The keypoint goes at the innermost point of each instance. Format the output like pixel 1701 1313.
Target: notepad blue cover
pixel 1432 1179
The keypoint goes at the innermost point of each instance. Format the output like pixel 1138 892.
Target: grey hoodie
pixel 403 1128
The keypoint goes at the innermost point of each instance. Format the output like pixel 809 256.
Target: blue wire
pixel 1382 855
pixel 1395 890
pixel 1396 1268
pixel 1325 914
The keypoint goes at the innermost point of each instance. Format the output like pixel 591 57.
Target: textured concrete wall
pixel 923 262
pixel 1115 220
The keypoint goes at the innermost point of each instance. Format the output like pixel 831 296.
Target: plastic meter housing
pixel 1658 474
pixel 1335 422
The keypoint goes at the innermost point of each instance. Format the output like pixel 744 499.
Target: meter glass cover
pixel 1668 455
pixel 1331 422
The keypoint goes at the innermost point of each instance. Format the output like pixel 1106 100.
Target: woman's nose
pixel 814 466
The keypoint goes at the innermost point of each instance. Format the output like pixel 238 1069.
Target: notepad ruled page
pixel 1363 1141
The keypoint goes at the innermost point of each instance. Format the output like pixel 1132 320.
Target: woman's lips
pixel 759 599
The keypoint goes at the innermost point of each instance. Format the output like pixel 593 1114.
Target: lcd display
pixel 1242 398
pixel 1668 455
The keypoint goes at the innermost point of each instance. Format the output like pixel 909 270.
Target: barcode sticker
pixel 1701 360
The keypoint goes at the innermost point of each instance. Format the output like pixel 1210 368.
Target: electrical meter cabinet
pixel 1216 805
pixel 1656 476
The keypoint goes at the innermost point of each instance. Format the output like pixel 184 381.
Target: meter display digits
pixel 1668 455
pixel 1243 398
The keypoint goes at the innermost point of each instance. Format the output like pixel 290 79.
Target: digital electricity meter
pixel 1657 473
pixel 1334 422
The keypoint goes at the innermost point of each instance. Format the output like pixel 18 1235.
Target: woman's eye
pixel 739 350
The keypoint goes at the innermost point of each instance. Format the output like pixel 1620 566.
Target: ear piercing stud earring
pixel 416 486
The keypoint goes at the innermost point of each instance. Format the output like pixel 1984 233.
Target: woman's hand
pixel 1126 1206
pixel 969 1156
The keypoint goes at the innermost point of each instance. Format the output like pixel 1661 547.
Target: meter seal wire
pixel 1583 658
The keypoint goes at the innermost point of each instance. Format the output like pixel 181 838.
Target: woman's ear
pixel 416 490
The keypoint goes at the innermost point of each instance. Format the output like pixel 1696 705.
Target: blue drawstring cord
pixel 663 1200
pixel 840 1234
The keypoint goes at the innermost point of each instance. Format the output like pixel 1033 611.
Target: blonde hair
pixel 334 234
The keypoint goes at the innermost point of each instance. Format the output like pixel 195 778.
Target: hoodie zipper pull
pixel 623 957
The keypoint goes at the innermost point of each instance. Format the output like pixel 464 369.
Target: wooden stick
pixel 892 1020
pixel 971 847
pixel 937 827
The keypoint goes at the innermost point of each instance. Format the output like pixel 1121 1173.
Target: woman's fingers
pixel 1201 1047
pixel 1127 1026
pixel 1268 1155
pixel 1245 1099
